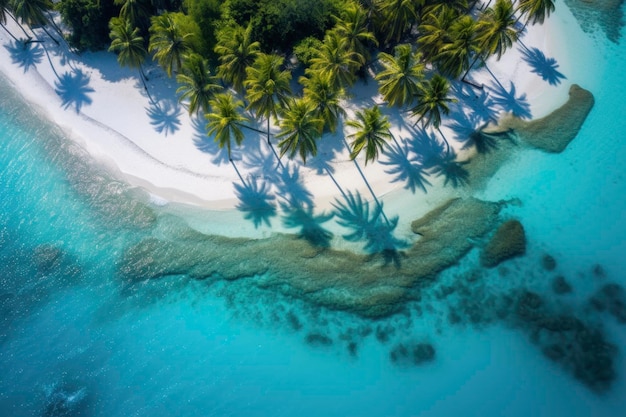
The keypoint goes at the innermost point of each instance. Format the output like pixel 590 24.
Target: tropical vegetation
pixel 234 60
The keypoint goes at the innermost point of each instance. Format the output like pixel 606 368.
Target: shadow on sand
pixel 369 226
pixel 74 90
pixel 165 116
pixel 545 67
pixel 256 201
pixel 25 55
pixel 405 167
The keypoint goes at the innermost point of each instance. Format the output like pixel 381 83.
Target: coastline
pixel 172 166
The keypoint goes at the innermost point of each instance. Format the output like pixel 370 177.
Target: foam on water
pixel 76 340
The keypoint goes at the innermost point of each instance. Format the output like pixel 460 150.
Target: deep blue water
pixel 74 340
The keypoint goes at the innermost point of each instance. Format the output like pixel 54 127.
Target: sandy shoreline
pixel 168 155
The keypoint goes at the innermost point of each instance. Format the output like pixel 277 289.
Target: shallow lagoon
pixel 76 339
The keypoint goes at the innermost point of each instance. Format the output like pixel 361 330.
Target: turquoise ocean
pixel 76 340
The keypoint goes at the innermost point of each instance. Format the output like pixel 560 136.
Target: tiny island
pixel 386 116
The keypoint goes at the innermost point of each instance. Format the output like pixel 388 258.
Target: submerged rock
pixel 318 339
pixel 555 131
pixel 612 299
pixel 412 354
pixel 561 286
pixel 509 241
pixel 548 262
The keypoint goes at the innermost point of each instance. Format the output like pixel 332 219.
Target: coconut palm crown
pixel 372 133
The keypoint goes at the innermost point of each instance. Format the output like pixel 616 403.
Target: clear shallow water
pixel 76 341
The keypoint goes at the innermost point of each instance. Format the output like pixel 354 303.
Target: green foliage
pixel 89 22
pixel 207 14
pixel 168 42
pixel 127 43
pixel 236 52
pixel 401 75
pixel 299 129
pixel 225 120
pixel 197 85
pixel 307 49
pixel 372 133
pixel 280 24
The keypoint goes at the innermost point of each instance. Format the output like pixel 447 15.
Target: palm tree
pixel 236 52
pixel 299 129
pixel 325 98
pixel 168 43
pixel 197 85
pixel 398 16
pixel 128 45
pixel 225 120
pixel 33 13
pixel 137 12
pixel 496 32
pixel 454 58
pixel 401 75
pixel 334 58
pixel 434 30
pixel 372 132
pixel 536 10
pixel 432 100
pixel 353 27
pixel 4 10
pixel 267 87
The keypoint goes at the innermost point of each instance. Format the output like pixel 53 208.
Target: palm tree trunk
pixel 236 170
pixel 49 35
pixel 145 86
pixel 445 140
pixel 467 72
pixel 280 163
pixel 28 37
pixel 9 32
pixel 367 184
pixel 50 61
pixel 332 177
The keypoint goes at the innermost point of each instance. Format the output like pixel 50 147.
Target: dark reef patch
pixel 412 353
pixel 594 15
pixel 508 242
pixel 612 299
pixel 560 285
pixel 548 262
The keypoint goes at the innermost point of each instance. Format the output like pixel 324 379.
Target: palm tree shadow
pixel 74 89
pixel 292 189
pixel 452 170
pixel 368 225
pixel 310 224
pixel 405 167
pixel 261 164
pixel 486 142
pixel 474 105
pixel 25 55
pixel 327 148
pixel 256 201
pixel 427 148
pixel 545 67
pixel 164 116
pixel 509 101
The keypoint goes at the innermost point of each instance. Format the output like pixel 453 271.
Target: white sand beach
pixel 163 150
